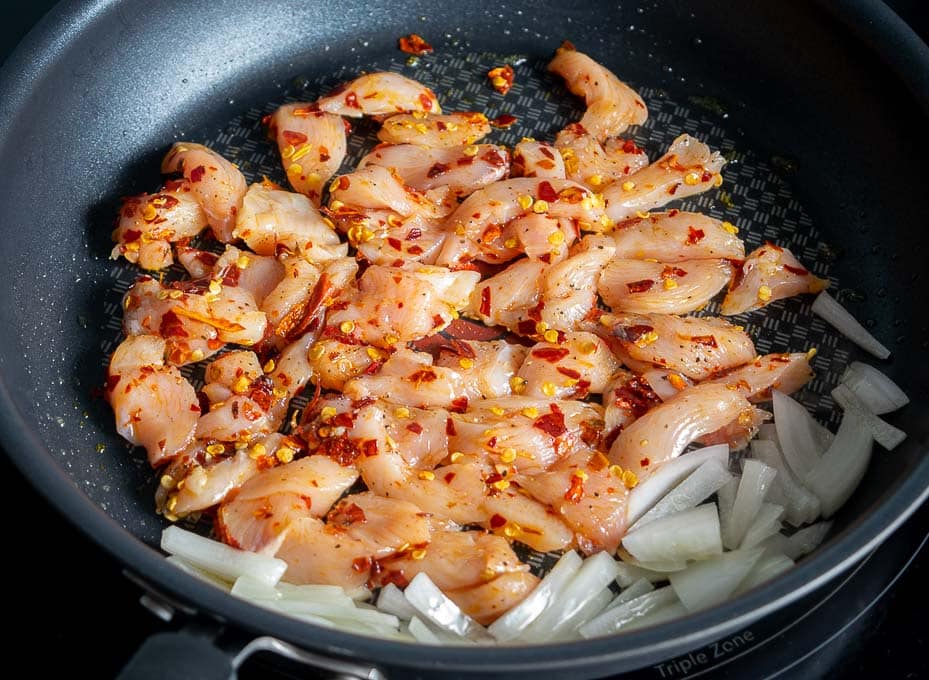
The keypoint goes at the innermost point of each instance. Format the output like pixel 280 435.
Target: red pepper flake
pixel 501 78
pixel 369 448
pixel 450 429
pixel 503 121
pixel 351 101
pixel 546 192
pixel 575 492
pixel 535 313
pixel 706 176
pixel 346 515
pixel 493 158
pixel 670 271
pixel 425 100
pixel 629 146
pixel 458 405
pixel 197 173
pixel 441 126
pixel 694 235
pixel 294 138
pixel 361 564
pixel 673 189
pixel 632 333
pixel 449 476
pixel 343 420
pixel 635 396
pixel 437 320
pixel 551 423
pixel 344 183
pixel 414 234
pixel 547 152
pixel 414 250
pixel 193 407
pixel 550 354
pixel 570 372
pixel 415 428
pixel 497 521
pixel 707 340
pixel 526 327
pixel 485 301
pixel 436 170
pixel 423 375
pixel 645 462
pixel 373 367
pixel 640 286
pixel 395 243
pixel 799 271
pixel 342 450
pixel 414 44
pixel 171 326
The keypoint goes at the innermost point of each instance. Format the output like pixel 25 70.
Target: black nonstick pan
pixel 821 106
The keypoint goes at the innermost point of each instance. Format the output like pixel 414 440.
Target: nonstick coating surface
pixel 104 89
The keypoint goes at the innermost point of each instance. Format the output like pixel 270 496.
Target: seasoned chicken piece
pixel 312 144
pixel 392 306
pixel 612 106
pixel 768 274
pixel 490 365
pixel 657 287
pixel 572 367
pixel 627 397
pixel 517 516
pixel 155 406
pixel 217 184
pixel 786 372
pixel 588 494
pixel 665 431
pixel 537 159
pixel 438 131
pixel 696 347
pixel 375 94
pixel 487 602
pixel 463 169
pixel 272 221
pixel 476 227
pixel 383 525
pixel 149 223
pixel 675 236
pixel 688 168
pixel 589 163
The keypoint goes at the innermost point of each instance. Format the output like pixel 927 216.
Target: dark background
pixel 71 611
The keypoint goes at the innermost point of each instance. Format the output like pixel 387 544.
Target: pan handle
pixel 196 651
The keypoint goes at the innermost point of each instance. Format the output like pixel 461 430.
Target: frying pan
pixel 833 97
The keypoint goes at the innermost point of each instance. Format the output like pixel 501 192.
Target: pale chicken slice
pixel 588 162
pixel 217 184
pixel 785 372
pixel 491 365
pixel 571 368
pixel 657 287
pixel 379 93
pixel 688 168
pixel 312 144
pixel 769 273
pixel 612 106
pixel 438 131
pixel 696 347
pixel 675 236
pixel 532 158
pixel 487 602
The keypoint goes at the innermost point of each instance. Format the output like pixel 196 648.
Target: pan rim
pixel 908 60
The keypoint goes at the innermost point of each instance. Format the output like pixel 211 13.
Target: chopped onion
pixel 800 504
pixel 392 601
pixel 593 608
pixel 593 577
pixel 689 535
pixel 248 588
pixel 699 485
pixel 883 432
pixel 436 607
pixel 767 523
pixel 843 465
pixel 511 624
pixel 615 618
pixel 629 573
pixel 668 475
pixel 661 567
pixel 675 610
pixel 636 589
pixel 709 582
pixel 756 479
pixel 725 499
pixel 768 432
pixel 318 593
pixel 839 318
pixel 422 633
pixel 197 571
pixel 806 540
pixel 220 559
pixel 766 568
pixel 801 438
pixel 878 392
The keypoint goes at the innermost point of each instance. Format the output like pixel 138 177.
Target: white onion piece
pixel 767 523
pixel 843 465
pixel 768 432
pixel 706 583
pixel 220 559
pixel 248 588
pixel 636 589
pixel 392 601
pixel 839 318
pixel 883 432
pixel 422 633
pixel 800 504
pixel 315 593
pixel 630 573
pixel 594 576
pixel 801 438
pixel 197 571
pixel 756 479
pixel 511 624
pixel 668 475
pixel 696 488
pixel 436 607
pixel 597 604
pixel 806 540
pixel 689 535
pixel 878 392
pixel 725 499
pixel 765 569
pixel 663 567
pixel 675 610
pixel 615 618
